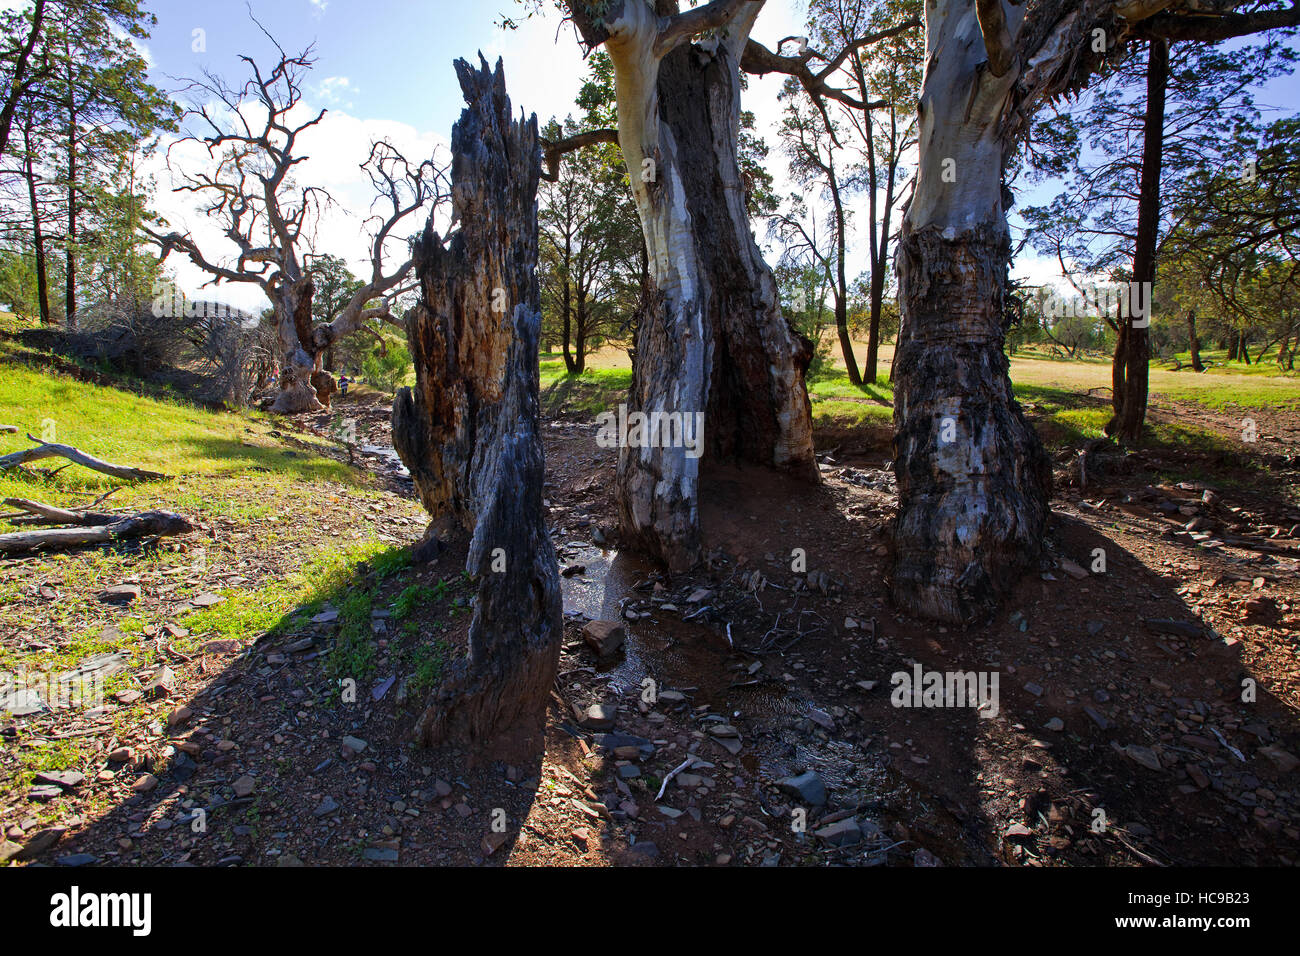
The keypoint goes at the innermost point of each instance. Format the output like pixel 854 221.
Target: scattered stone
pixel 353 745
pixel 604 637
pixel 844 832
pixel 643 852
pixel 380 855
pixel 1096 627
pixel 1073 570
pixel 1018 832
pixel 40 841
pixel 1056 724
pixel 1101 722
pixel 244 786
pixel 44 794
pixel 179 716
pixel 77 859
pixel 821 718
pixel 327 806
pixel 144 783
pixel 1283 760
pixel 120 594
pixel 68 779
pixel 1144 756
pixel 161 683
pixel 599 717
pixel 1197 776
pixel 206 599
pixel 494 841
pixel 699 595
pixel 1034 689
pixel 808 788
pixel 326 617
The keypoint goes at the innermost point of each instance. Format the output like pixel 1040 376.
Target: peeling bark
pixel 711 338
pixel 468 430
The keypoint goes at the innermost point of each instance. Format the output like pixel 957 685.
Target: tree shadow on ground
pixel 296 749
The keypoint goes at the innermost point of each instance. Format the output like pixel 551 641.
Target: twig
pixel 688 762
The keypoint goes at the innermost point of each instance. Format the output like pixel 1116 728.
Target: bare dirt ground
pixel 1148 713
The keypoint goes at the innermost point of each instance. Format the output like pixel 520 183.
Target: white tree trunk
pixel 973 478
pixel 711 337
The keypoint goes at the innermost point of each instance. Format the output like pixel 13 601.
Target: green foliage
pixel 388 369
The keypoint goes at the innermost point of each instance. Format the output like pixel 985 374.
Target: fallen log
pixel 77 456
pixel 37 512
pixel 148 524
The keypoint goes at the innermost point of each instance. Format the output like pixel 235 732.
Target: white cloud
pixel 335 91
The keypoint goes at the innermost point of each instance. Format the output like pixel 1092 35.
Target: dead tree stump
pixel 468 430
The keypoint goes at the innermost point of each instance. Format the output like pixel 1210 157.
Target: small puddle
pixel 676 654
pixel 695 657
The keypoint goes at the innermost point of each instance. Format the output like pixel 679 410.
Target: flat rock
pixel 62 778
pixel 206 599
pixel 1144 756
pixel 808 788
pixel 355 744
pixel 244 786
pixel 844 832
pixel 1283 760
pixel 120 594
pixel 40 841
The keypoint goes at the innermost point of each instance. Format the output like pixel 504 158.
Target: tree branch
pixel 552 150
pixel 997 38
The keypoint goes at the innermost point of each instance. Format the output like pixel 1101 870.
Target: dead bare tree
pixel 468 431
pixel 252 134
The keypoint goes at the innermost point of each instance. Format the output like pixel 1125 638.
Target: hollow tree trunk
pixel 710 337
pixel 1130 400
pixel 299 376
pixel 973 478
pixel 468 430
pixel 1194 343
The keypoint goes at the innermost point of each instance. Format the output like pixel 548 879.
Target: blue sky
pixel 383 68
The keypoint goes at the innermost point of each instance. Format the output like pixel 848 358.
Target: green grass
pixel 171 437
pixel 587 395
